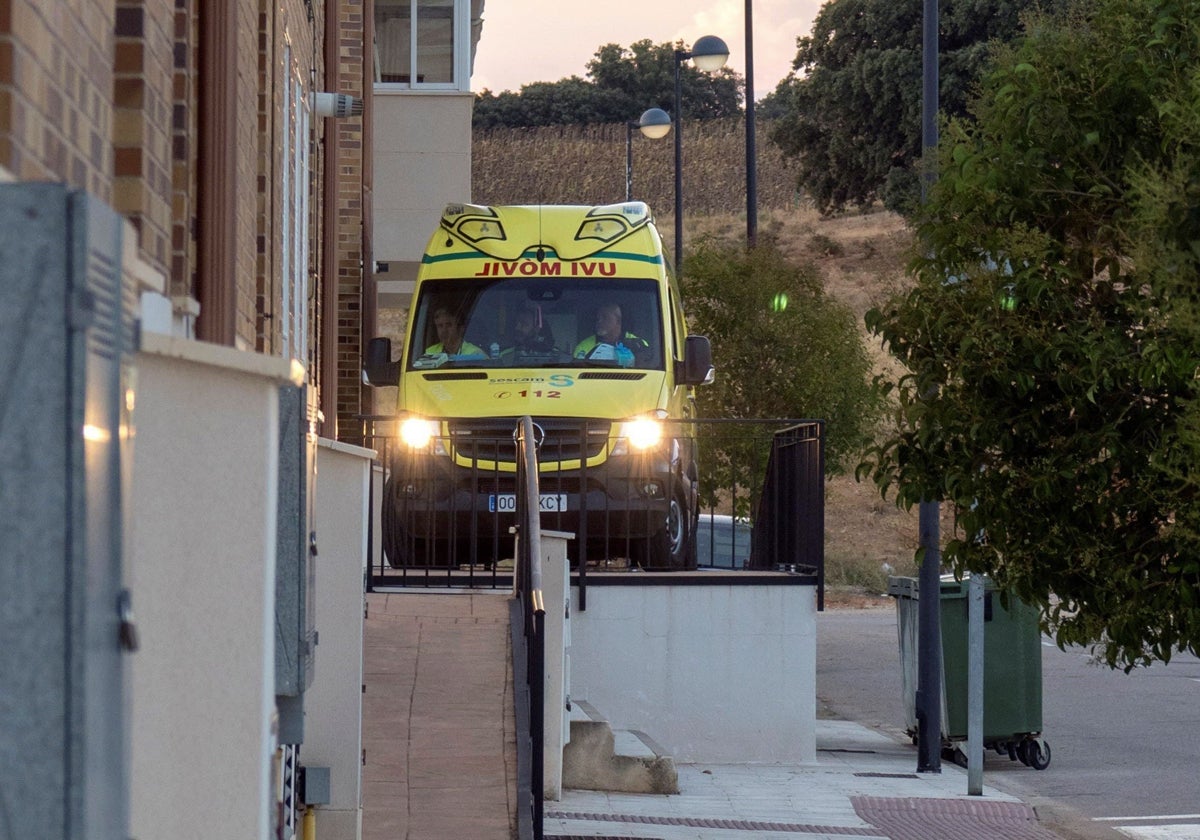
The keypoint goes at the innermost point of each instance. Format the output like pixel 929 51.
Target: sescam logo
pixel 529 268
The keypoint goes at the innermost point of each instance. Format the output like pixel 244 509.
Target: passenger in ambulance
pixel 610 342
pixel 531 332
pixel 451 327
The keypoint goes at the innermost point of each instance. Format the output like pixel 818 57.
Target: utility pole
pixel 751 156
pixel 929 623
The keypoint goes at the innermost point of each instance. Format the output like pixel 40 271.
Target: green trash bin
pixel 1012 669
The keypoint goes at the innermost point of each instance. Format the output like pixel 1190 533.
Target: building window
pixel 422 44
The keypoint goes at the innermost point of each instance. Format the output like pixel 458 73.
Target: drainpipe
pixel 329 220
pixel 369 303
pixel 216 260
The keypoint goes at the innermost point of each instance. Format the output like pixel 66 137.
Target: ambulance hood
pixel 546 392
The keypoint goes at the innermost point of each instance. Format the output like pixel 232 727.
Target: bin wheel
pixel 1035 753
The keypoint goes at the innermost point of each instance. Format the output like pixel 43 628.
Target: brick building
pixel 233 139
pixel 239 188
pixel 194 119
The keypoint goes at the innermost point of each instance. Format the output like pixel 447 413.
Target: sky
pixel 528 41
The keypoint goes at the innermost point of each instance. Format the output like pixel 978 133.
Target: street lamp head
pixel 709 53
pixel 654 123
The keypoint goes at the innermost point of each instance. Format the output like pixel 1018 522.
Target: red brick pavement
pixel 438 726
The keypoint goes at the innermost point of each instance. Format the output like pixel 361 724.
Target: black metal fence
pixel 790 526
pixel 729 494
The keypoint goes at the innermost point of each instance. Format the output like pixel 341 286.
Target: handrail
pixel 527 575
pixel 529 515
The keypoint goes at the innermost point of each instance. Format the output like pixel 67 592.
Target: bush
pixel 802 357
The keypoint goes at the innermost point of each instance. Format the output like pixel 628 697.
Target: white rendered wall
pixel 421 149
pixel 712 673
pixel 333 703
pixel 202 576
pixel 556 724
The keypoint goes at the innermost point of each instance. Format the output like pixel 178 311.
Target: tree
pixel 570 101
pixel 798 356
pixel 621 84
pixel 1053 334
pixel 853 102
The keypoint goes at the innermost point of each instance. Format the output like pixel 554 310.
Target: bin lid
pixel 910 587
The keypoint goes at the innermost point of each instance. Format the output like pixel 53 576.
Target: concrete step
pixel 601 758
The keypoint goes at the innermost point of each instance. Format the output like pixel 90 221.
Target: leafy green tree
pixel 1053 335
pixel 782 348
pixel 853 103
pixel 621 84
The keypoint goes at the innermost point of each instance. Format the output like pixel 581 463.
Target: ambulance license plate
pixel 507 503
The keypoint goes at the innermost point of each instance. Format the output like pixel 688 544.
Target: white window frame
pixel 293 266
pixel 460 62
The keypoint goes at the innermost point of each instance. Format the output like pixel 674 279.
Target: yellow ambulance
pixel 569 314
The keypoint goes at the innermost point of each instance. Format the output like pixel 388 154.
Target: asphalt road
pixel 1125 747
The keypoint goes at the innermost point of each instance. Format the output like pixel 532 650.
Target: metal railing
pixel 790 526
pixel 757 484
pixel 527 587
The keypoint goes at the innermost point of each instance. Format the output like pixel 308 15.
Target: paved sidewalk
pixel 438 725
pixel 863 784
pixel 438 732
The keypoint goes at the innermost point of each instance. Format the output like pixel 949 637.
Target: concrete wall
pixel 422 158
pixel 713 672
pixel 333 704
pixel 202 574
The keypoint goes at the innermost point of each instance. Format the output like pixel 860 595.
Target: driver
pixel 609 338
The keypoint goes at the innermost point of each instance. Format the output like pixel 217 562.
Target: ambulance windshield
pixel 533 323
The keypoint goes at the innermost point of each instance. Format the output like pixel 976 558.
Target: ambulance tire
pixel 670 548
pixel 399 549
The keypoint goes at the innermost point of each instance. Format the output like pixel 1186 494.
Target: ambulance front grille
pixel 490 439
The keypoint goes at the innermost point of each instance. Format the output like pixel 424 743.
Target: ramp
pixel 438 724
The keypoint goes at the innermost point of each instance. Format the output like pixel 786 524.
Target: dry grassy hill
pixel 860 255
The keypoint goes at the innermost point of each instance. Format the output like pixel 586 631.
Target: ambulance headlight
pixel 417 432
pixel 638 434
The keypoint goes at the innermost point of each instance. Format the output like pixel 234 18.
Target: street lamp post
pixel 928 701
pixel 709 53
pixel 654 123
pixel 751 156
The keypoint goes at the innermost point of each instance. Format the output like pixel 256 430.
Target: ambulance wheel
pixel 669 547
pixel 400 549
pixel 389 539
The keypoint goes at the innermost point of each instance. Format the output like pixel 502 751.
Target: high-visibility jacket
pixel 584 349
pixel 467 349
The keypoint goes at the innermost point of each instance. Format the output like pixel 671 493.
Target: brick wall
pixel 105 95
pixel 350 259
pixel 184 147
pixel 142 107
pixel 56 92
pixel 247 175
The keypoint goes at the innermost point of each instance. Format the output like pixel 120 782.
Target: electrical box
pixel 67 331
pixel 295 563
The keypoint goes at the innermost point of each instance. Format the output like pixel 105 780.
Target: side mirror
pixel 378 368
pixel 697 361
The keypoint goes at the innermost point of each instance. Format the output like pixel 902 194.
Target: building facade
pixel 195 120
pixel 423 56
pixel 240 192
